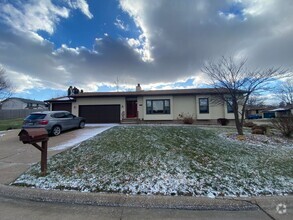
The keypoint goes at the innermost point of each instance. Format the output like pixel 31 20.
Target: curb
pixel 122 200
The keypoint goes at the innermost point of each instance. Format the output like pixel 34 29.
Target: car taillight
pixel 43 122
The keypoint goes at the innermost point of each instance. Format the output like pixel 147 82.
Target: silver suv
pixel 54 121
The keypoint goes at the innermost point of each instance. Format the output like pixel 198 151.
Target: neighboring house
pixel 265 111
pixel 279 112
pixel 254 110
pixel 20 103
pixel 154 105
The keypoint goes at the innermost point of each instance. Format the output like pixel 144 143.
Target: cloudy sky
pixel 48 45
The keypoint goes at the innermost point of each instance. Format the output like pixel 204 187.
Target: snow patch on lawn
pixel 84 135
pixel 162 160
pixel 275 141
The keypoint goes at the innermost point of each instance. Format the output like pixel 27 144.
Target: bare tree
pixel 287 92
pixel 255 101
pixel 235 83
pixel 5 86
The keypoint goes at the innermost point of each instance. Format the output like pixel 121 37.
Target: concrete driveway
pixel 16 157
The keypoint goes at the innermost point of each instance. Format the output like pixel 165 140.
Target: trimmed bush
pixel 223 121
pixel 186 118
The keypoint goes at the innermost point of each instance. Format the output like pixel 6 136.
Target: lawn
pixel 167 160
pixel 10 124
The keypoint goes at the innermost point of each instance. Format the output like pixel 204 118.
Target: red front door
pixel 131 109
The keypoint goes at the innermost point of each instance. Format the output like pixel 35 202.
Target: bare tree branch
pixel 286 91
pixel 240 83
pixel 5 86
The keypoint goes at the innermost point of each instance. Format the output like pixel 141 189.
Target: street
pixel 26 210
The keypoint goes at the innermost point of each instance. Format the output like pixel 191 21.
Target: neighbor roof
pixel 26 100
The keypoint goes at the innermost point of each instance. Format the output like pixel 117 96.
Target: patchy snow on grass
pixel 275 140
pixel 167 160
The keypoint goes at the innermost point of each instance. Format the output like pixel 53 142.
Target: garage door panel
pixel 100 113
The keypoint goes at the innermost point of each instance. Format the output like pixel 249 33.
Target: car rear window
pixel 35 116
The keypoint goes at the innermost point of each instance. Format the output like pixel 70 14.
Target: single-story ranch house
pixel 153 105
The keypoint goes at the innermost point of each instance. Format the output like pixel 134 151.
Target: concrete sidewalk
pixel 142 207
pixel 16 158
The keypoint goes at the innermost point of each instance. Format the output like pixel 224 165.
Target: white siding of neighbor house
pixel 185 105
pixel 100 101
pixel 157 116
pixel 13 104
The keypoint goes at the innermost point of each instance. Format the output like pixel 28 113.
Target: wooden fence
pixel 17 113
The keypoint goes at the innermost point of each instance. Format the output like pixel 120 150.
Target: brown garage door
pixel 100 113
pixel 61 107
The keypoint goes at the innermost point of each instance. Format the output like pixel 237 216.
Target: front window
pixel 161 106
pixel 203 105
pixel 229 106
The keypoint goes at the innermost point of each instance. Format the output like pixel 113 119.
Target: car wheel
pixel 81 124
pixel 56 130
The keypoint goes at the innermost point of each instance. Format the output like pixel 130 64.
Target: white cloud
pixel 120 24
pixel 65 48
pixel 133 42
pixel 136 9
pixel 33 15
pixel 228 16
pixel 175 38
pixel 258 7
pixel 21 81
pixel 82 5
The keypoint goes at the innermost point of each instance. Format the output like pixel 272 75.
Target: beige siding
pixel 216 108
pixel 140 108
pixel 185 105
pixel 100 101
